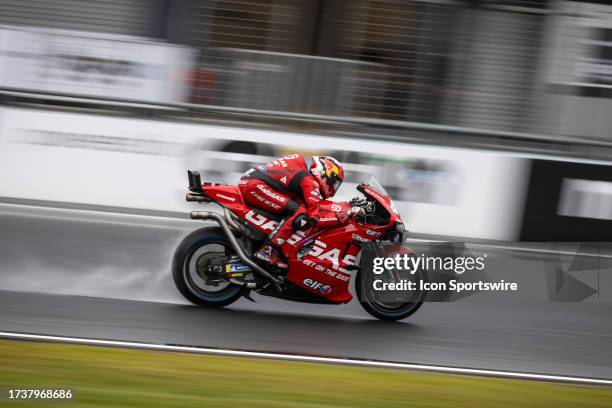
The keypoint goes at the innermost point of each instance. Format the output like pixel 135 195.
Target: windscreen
pixel 375 184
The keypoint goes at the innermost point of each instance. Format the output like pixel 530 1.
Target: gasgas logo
pixel 271 193
pixel 319 251
pixel 263 222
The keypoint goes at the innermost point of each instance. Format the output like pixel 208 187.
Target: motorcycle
pixel 214 266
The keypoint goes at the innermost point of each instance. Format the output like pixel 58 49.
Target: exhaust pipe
pixel 230 220
pixel 210 215
pixel 197 198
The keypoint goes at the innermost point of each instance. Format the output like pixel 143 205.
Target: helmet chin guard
pixel 329 173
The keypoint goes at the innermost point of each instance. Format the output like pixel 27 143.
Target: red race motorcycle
pixel 213 266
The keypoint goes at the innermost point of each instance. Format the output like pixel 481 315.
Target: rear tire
pixel 198 245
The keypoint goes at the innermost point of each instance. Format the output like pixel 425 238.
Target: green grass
pixel 112 377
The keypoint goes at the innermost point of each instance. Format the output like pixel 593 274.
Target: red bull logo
pixel 330 167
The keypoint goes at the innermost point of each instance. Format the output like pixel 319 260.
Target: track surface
pixel 67 253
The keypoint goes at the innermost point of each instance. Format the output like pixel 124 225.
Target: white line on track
pixel 103 215
pixel 91 216
pixel 304 358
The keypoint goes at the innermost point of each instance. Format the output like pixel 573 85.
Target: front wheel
pixel 189 268
pixel 388 305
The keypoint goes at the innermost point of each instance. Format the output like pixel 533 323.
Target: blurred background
pixel 537 66
pixel 484 118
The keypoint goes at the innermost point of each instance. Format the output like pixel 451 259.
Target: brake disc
pixel 204 266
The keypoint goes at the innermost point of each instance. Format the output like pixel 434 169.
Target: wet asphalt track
pixel 70 273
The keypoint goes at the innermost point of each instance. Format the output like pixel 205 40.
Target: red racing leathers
pixel 286 187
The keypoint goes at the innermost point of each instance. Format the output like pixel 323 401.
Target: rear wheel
pixel 388 305
pixel 189 269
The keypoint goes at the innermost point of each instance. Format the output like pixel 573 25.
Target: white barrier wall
pixel 141 164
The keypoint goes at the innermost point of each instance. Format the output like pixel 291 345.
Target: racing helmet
pixel 329 174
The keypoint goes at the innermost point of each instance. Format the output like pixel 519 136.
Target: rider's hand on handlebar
pixel 357 212
pixel 356 201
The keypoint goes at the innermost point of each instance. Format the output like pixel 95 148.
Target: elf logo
pixel 321 287
pixel 261 221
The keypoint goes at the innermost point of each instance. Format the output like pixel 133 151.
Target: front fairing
pixel 376 191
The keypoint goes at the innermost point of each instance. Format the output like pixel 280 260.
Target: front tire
pixel 189 277
pixel 386 309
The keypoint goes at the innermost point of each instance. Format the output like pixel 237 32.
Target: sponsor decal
pixel 283 160
pixel 321 287
pixel 373 233
pixel 296 237
pixel 320 251
pixel 336 208
pixel 382 199
pixel 265 200
pixel 284 180
pixel 359 238
pixel 263 222
pixel 93 141
pixel 375 194
pixel 226 197
pixel 271 193
pixel 327 271
pixel 236 267
pixel 280 162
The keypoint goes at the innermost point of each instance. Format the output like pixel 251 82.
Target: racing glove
pixel 354 212
pixel 357 212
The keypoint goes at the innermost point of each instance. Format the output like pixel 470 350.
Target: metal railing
pixel 523 67
pixel 287 82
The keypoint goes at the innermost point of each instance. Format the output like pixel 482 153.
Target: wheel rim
pixel 390 304
pixel 196 276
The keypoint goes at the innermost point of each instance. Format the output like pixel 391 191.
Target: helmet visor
pixel 334 183
pixel 337 184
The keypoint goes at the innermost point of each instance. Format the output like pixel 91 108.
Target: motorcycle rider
pixel 289 188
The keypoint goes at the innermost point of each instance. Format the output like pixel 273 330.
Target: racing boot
pixel 269 255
